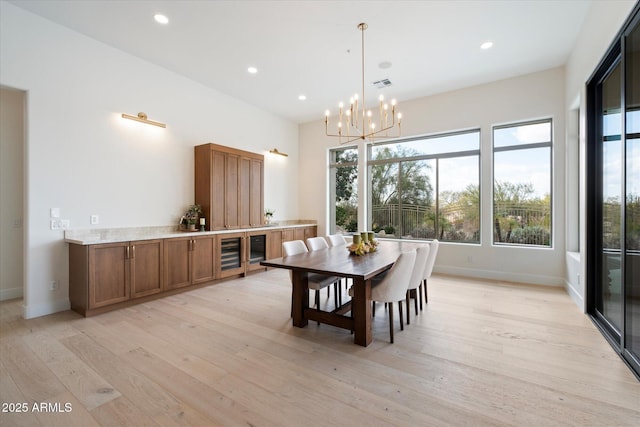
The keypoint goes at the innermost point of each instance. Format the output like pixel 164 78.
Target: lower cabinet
pixel 189 261
pixel 105 274
pixel 146 264
pixel 112 275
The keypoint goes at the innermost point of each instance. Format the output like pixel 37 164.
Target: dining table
pixel 338 261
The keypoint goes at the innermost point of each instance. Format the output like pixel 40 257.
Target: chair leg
pixel 373 309
pixel 426 297
pixel 318 301
pixel 391 322
pixel 400 310
pixel 408 298
pixel 419 296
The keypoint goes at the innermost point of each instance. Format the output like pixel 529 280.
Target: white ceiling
pixel 314 47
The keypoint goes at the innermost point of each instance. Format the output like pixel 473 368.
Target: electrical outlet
pixel 54 285
pixel 64 224
pixel 95 219
pixel 55 224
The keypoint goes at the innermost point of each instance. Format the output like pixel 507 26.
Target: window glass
pixel 344 190
pixel 522 185
pixel 426 188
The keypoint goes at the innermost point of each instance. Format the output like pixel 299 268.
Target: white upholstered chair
pixel 428 268
pixel 336 240
pixel 393 287
pixel 316 281
pixel 317 244
pixel 417 275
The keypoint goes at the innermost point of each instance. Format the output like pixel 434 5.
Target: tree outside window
pixel 426 187
pixel 344 190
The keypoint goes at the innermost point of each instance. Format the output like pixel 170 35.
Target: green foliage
pixel 535 235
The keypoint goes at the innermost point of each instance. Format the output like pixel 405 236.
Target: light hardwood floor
pixel 481 353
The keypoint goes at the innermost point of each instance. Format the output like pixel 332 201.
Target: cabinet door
pixel 310 232
pixel 256 199
pixel 232 196
pixel 244 192
pixel 146 259
pixel 218 217
pixel 177 264
pixel 202 259
pixel 108 274
pixel 274 249
pixel 288 235
pixel 230 254
pixel 298 234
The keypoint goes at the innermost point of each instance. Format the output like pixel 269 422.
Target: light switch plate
pixel 55 213
pixel 95 219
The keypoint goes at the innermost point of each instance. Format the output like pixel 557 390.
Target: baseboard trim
pixel 575 295
pixel 11 293
pixel 36 310
pixel 501 275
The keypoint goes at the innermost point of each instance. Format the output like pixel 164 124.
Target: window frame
pixel 436 185
pixel 519 147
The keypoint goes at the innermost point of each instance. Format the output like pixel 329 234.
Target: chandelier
pixel 356 122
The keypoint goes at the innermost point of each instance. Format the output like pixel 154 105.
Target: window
pixel 426 187
pixel 343 173
pixel 522 183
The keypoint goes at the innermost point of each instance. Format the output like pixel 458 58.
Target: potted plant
pixel 191 217
pixel 268 214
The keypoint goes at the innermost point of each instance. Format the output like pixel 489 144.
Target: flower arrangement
pixel 192 214
pixel 268 213
pixel 363 244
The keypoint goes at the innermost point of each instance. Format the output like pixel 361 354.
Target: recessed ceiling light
pixel 161 19
pixel 252 70
pixel 486 45
pixel 384 65
pixel 302 97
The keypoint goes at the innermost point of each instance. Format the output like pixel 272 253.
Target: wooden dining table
pixel 337 261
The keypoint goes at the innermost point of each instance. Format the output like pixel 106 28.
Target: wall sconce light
pixel 275 151
pixel 142 118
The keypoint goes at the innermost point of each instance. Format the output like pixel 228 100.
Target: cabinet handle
pixel 127 254
pixel 193 245
pixel 133 251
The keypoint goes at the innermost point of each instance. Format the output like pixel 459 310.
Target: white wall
pixel 532 96
pixel 83 158
pixel 603 22
pixel 11 189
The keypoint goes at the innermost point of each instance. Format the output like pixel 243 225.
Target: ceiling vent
pixel 382 83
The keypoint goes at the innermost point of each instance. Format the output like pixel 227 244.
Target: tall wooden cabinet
pixel 229 186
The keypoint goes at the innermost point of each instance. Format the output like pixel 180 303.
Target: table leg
pixel 300 298
pixel 361 307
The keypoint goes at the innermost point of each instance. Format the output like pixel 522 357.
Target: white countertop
pixel 116 235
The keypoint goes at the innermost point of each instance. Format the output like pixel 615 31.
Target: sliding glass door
pixel 632 190
pixel 613 195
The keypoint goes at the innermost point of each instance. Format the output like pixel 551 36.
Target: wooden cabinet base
pixel 110 276
pixel 92 312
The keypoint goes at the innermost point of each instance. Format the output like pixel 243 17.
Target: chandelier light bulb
pixel 327 113
pixel 381 98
